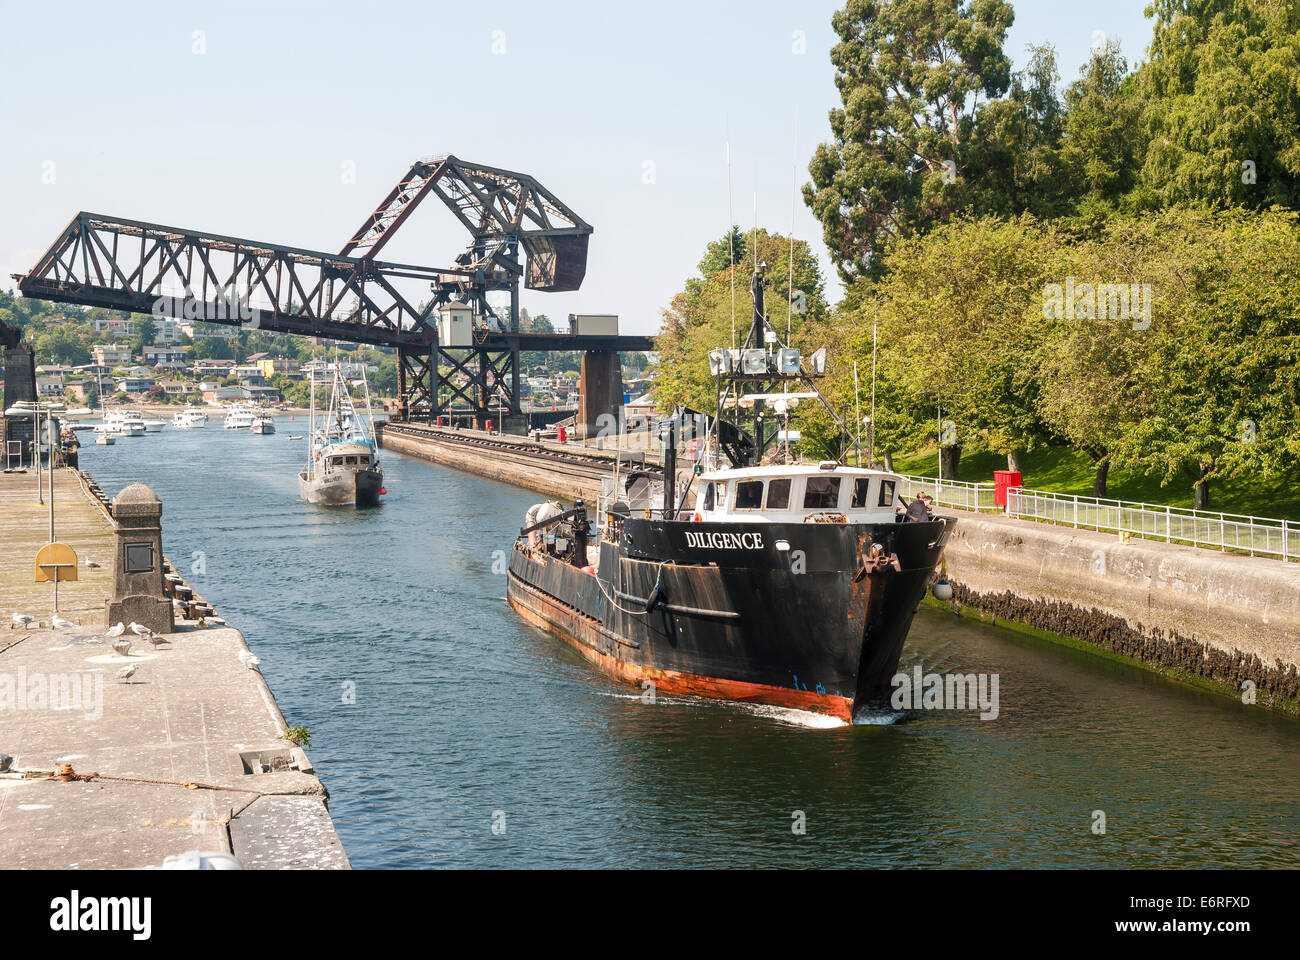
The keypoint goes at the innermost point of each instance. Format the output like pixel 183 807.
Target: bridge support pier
pixel 600 391
pixel 19 385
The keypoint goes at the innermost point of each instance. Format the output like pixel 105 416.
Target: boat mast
pixel 311 428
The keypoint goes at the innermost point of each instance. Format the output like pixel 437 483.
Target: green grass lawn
pixel 1065 470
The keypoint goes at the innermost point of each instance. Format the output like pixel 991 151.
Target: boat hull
pixel 359 488
pixel 818 626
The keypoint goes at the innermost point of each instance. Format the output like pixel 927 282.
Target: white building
pixel 112 354
pixel 118 328
pixel 206 331
pixel 167 330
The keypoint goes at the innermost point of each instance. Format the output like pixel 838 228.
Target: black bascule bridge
pixel 519 231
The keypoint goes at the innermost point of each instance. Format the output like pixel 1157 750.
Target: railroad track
pixel 570 464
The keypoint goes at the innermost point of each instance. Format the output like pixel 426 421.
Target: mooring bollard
pixel 138 594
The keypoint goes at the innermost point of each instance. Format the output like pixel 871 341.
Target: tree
pixel 1217 394
pixel 1102 149
pixel 910 74
pixel 1223 116
pixel 1014 164
pixel 1089 359
pixel 385 382
pixel 145 332
pixel 212 348
pixel 722 253
pixel 956 315
pixel 61 345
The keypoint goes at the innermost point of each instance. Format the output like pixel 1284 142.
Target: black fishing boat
pixel 785 583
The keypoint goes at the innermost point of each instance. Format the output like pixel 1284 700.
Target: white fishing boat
pixel 342 456
pixel 263 423
pixel 191 418
pixel 104 439
pixel 153 424
pixel 240 417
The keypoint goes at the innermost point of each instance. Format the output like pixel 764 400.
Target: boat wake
pixel 879 718
pixel 788 715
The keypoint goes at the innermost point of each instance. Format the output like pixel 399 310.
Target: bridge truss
pixel 519 232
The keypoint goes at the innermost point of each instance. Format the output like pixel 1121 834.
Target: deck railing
pixel 1257 536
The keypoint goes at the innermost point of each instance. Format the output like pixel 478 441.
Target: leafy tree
pixel 385 380
pixel 145 332
pixel 1221 91
pixel 1015 159
pixel 61 345
pixel 1102 148
pixel 911 74
pixel 720 254
pixel 1218 392
pixel 212 348
pixel 956 315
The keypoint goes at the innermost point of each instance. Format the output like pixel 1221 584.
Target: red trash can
pixel 1003 480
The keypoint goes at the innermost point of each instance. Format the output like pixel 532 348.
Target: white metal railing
pixel 1258 536
pixel 951 493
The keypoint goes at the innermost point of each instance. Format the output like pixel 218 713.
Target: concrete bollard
pixel 138 593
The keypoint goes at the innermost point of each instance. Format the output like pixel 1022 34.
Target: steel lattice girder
pixel 191 275
pixel 501 209
pixel 490 375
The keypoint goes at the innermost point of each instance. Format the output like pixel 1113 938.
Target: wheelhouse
pixel 809 493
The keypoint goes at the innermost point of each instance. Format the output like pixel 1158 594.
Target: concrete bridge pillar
pixel 20 385
pixel 600 390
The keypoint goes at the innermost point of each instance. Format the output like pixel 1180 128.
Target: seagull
pixel 116 631
pixel 156 639
pixel 249 659
pixel 23 619
pixel 126 673
pixel 140 630
pixel 61 624
pixel 91 563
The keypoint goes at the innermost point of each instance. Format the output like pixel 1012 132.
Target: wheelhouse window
pixel 886 493
pixel 821 493
pixel 709 498
pixel 749 495
pixel 861 489
pixel 778 494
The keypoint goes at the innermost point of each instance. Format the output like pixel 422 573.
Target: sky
pixel 288 122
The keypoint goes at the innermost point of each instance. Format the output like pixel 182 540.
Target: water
pixel 464 714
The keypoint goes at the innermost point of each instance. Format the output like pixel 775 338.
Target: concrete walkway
pixel 176 746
